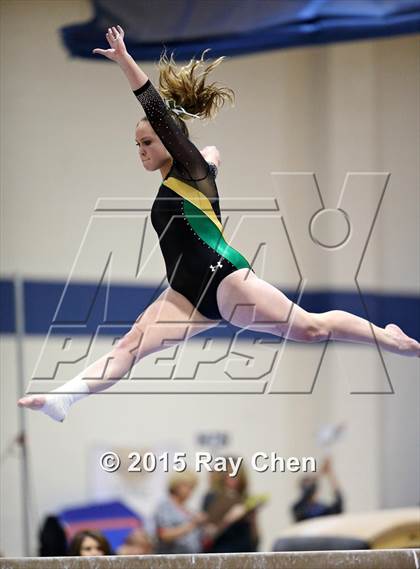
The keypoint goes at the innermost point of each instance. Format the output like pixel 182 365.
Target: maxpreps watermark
pixel 305 229
pixel 203 461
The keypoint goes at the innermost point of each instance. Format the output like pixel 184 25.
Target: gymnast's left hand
pixel 211 154
pixel 117 51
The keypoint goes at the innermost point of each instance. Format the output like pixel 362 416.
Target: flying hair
pixel 186 86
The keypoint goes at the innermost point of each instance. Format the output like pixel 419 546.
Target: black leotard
pixel 186 214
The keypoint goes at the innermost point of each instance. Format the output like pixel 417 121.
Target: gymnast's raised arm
pixel 175 141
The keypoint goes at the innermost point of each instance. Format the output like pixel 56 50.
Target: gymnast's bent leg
pixel 247 301
pixel 170 317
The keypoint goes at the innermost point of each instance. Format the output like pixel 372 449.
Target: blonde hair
pixel 186 86
pixel 186 477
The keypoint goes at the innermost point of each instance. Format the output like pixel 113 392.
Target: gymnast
pixel 208 279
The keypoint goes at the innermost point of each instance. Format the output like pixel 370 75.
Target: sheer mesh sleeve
pixel 182 150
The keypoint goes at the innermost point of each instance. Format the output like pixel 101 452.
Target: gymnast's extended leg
pixel 247 301
pixel 171 317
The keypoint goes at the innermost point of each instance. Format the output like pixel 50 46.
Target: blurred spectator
pixel 89 543
pixel 137 542
pixel 179 529
pixel 52 538
pixel 232 525
pixel 308 505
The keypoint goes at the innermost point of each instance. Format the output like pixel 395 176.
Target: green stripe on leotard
pixel 200 215
pixel 210 234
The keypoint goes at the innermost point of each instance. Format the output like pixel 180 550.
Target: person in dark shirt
pixel 235 528
pixel 308 506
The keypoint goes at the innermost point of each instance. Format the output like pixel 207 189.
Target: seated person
pixel 88 543
pixel 137 542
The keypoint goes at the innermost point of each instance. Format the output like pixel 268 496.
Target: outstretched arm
pixel 328 470
pixel 178 145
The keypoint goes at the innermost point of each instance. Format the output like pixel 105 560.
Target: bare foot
pixel 34 402
pixel 406 346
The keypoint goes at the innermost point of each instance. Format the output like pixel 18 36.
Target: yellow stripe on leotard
pixel 195 197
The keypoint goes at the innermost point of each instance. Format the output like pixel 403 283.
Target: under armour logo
pixel 219 265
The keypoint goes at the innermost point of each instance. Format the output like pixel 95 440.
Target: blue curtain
pixel 235 27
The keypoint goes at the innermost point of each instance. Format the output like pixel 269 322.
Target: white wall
pixel 67 139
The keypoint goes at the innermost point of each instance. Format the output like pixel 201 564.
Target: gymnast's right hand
pixel 117 51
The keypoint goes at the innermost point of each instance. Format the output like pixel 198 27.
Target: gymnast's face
pixel 152 153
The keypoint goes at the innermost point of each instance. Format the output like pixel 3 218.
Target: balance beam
pixel 366 559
